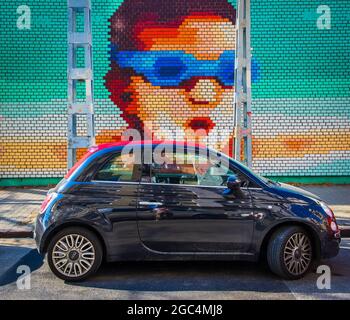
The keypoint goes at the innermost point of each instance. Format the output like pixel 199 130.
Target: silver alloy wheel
pixel 73 255
pixel 297 253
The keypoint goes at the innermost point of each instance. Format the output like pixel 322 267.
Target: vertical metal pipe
pixel 242 97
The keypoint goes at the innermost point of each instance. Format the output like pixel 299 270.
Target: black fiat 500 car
pixel 176 201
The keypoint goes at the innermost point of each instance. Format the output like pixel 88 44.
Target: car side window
pixel 190 169
pixel 210 173
pixel 173 169
pixel 120 167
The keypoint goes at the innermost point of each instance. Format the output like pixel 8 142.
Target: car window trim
pixel 115 182
pixel 231 164
pixel 169 184
pixel 192 185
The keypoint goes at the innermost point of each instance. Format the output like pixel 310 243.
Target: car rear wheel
pixel 289 252
pixel 74 254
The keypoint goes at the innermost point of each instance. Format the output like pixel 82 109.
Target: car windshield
pixel 264 179
pixel 239 164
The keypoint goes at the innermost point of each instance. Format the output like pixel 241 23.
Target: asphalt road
pixel 165 280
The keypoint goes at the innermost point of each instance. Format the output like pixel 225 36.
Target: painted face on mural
pixel 174 74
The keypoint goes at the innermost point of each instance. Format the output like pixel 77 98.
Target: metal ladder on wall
pixel 242 99
pixel 78 108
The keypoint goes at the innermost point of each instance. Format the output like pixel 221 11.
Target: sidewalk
pixel 18 210
pixel 19 207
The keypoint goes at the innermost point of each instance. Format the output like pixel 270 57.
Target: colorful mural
pixel 172 66
pixel 172 69
pixel 166 67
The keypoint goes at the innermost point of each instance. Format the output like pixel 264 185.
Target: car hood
pixel 296 190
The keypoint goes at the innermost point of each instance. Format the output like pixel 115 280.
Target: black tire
pixel 97 251
pixel 277 249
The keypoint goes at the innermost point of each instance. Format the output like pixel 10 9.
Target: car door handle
pixel 150 203
pixel 257 215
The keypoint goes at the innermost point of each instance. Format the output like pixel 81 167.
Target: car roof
pixel 103 146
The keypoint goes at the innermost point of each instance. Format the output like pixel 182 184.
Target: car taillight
pixel 46 202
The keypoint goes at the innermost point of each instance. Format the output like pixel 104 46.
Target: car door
pixel 183 210
pixel 117 181
pixel 111 191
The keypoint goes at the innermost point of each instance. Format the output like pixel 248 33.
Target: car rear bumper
pixel 38 233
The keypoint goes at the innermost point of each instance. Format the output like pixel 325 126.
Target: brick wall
pixel 167 65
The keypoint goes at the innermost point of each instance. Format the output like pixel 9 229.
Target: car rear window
pixel 78 163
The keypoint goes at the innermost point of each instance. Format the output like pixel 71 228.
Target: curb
pixel 16 234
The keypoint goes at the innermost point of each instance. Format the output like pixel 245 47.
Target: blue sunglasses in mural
pixel 170 68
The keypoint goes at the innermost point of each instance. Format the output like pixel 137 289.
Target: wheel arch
pixel 65 225
pixel 316 243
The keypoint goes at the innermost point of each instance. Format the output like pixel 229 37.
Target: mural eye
pixel 169 68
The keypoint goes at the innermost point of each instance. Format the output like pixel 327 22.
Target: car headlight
pixel 332 223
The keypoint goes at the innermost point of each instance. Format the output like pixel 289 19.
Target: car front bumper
pixel 330 248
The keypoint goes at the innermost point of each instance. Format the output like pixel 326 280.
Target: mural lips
pixel 201 123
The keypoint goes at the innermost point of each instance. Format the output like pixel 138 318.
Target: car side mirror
pixel 233 183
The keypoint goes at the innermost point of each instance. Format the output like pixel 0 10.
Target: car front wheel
pixel 74 254
pixel 289 252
